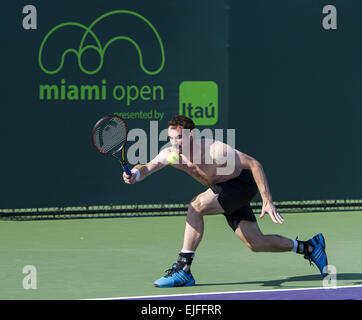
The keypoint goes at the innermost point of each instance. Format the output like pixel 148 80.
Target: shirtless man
pixel 232 179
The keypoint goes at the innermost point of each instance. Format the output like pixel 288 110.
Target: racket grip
pixel 126 169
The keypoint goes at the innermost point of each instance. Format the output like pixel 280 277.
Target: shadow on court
pixel 281 282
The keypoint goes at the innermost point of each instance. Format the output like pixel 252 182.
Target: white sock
pixel 186 251
pixel 295 246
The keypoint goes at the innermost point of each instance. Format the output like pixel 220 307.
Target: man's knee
pixel 197 206
pixel 250 234
pixel 256 244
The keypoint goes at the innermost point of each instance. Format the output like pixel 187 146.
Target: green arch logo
pixel 98 47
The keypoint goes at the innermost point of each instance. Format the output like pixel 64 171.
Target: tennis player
pixel 232 179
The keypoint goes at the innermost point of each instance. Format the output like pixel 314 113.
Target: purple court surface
pixel 335 293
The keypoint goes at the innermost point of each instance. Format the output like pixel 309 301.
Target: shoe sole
pixel 190 283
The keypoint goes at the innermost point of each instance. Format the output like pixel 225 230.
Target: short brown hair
pixel 182 121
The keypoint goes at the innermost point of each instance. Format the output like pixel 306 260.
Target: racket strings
pixel 110 135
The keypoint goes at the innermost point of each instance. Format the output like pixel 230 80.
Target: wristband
pixel 137 173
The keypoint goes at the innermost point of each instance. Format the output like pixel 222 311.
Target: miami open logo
pixel 98 46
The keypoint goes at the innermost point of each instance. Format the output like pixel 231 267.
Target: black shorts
pixel 235 196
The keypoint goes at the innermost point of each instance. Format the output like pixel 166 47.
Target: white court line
pixel 225 292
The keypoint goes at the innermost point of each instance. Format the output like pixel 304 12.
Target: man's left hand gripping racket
pixel 110 136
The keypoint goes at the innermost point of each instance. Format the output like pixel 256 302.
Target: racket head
pixel 109 135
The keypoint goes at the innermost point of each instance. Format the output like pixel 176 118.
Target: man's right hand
pixel 129 179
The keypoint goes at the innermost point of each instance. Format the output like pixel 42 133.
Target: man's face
pixel 179 138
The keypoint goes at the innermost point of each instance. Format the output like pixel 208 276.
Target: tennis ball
pixel 172 157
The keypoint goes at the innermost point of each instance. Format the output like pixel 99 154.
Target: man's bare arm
pixel 159 162
pixel 257 170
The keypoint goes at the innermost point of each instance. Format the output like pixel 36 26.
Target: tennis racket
pixel 109 137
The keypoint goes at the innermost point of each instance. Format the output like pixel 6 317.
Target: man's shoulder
pixel 162 155
pixel 165 150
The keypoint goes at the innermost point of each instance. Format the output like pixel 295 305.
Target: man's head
pixel 181 121
pixel 180 131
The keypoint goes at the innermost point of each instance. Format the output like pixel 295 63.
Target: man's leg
pixel 205 203
pixel 179 274
pixel 251 235
pixel 313 249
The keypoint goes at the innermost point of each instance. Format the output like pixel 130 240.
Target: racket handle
pixel 126 169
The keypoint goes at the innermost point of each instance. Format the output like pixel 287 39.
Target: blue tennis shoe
pixel 318 255
pixel 175 277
